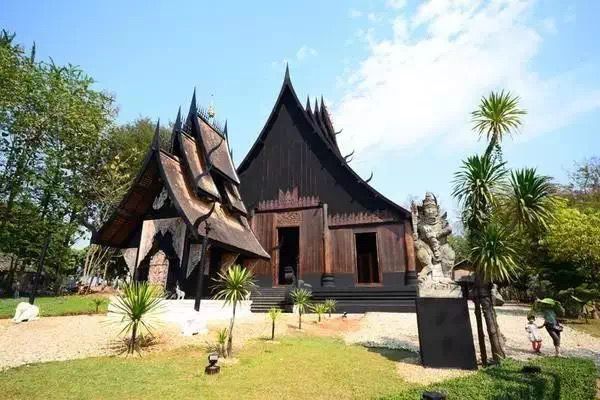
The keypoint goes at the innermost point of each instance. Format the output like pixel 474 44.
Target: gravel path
pixel 396 330
pixel 63 338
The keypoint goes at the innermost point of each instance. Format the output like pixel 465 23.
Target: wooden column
pixel 327 279
pixel 411 270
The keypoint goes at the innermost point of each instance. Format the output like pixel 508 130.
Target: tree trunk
pixel 480 334
pixel 299 319
pixel 273 330
pixel 492 327
pixel 133 338
pixel 230 338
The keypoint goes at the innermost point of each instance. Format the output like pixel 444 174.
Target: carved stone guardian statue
pixel 434 254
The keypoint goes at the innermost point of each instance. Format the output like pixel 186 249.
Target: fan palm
pixel 301 299
pixel 234 286
pixel 497 115
pixel 138 305
pixel 274 314
pixel 531 199
pixel 476 186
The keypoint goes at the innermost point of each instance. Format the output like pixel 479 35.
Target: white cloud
pixel 305 52
pixel 354 13
pixel 397 4
pixel 549 26
pixel 421 83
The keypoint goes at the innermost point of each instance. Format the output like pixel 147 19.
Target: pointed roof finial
pixel 316 106
pixel 193 105
pixel 156 140
pixel 308 104
pixel 322 104
pixel 177 126
pixel 287 72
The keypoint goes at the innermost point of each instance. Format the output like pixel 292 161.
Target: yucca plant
pixel 301 299
pixel 234 286
pixel 221 340
pixel 319 309
pixel 98 302
pixel 531 199
pixel 331 305
pixel 274 314
pixel 477 186
pixel 497 115
pixel 139 305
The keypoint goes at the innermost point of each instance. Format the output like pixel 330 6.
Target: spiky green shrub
pixel 221 340
pixel 319 309
pixel 301 298
pixel 138 305
pixel 274 314
pixel 331 305
pixel 98 302
pixel 234 286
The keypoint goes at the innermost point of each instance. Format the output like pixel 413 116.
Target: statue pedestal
pixel 438 289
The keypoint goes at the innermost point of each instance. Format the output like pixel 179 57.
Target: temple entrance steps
pixel 365 299
pixel 265 298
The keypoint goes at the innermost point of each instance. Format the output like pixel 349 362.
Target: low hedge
pixel 560 378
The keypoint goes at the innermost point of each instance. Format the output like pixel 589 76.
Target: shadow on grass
pixel 514 384
pixel 396 355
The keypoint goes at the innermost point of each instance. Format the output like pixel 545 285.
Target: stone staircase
pixel 265 298
pixel 359 300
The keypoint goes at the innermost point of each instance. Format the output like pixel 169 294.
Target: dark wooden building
pixel 319 221
pixel 183 188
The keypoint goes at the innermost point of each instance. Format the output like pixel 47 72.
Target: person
pixel 16 288
pixel 534 334
pixel 553 328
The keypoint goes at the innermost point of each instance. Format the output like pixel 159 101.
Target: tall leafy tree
pixel 498 115
pixel 495 206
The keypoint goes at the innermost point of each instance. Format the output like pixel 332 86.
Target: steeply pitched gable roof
pixel 318 119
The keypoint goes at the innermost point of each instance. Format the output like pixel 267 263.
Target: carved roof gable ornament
pixel 161 199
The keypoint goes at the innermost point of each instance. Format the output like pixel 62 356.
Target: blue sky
pixel 400 77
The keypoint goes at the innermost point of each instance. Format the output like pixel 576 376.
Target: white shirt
pixel 533 331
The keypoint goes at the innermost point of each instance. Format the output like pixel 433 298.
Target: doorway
pixel 289 255
pixel 367 266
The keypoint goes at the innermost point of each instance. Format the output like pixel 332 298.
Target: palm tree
pixel 138 305
pixel 486 201
pixel 494 256
pixel 477 186
pixel 497 115
pixel 234 286
pixel 531 199
pixel 274 314
pixel 301 298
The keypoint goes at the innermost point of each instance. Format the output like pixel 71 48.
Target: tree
pixel 138 305
pixel 51 121
pixel 234 285
pixel 301 299
pixel 493 210
pixel 274 314
pixel 497 115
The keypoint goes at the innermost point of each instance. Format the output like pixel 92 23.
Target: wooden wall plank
pixel 311 241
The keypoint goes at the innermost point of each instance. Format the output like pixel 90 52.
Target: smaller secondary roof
pixel 201 182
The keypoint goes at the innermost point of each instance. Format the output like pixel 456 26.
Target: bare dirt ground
pixel 63 338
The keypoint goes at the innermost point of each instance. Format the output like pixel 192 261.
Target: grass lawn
pixel 296 368
pixel 592 327
pixel 54 306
